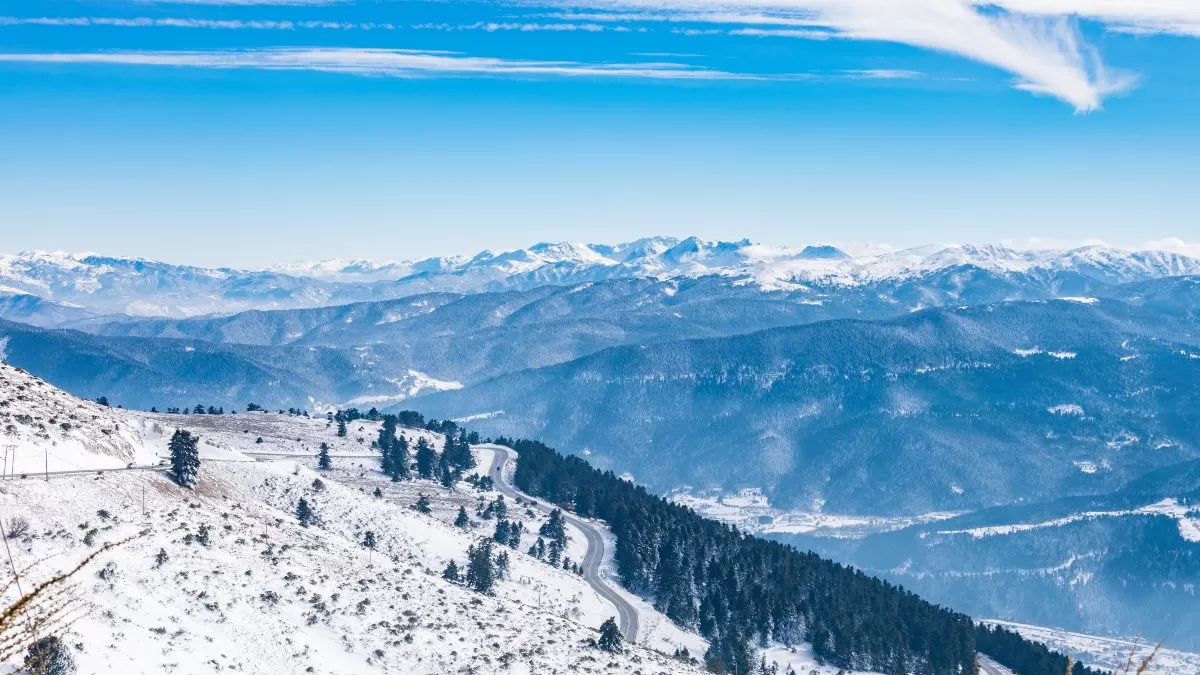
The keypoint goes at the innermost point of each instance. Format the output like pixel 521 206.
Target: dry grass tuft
pixel 1141 667
pixel 49 608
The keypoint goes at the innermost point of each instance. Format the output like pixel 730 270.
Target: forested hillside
pixel 738 590
pixel 941 410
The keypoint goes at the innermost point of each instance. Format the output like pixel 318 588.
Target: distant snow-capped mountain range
pixel 83 284
pixel 769 264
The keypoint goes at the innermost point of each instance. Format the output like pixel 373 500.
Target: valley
pixel 1019 439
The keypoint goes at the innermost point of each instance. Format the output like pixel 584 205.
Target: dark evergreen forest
pixel 738 590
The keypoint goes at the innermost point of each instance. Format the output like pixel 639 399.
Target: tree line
pixel 738 590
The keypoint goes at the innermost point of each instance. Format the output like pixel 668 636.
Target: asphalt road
pixel 627 615
pixel 30 475
pixel 990 667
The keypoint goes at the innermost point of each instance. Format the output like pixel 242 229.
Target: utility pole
pixel 47 454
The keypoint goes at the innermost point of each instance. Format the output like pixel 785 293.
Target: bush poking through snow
pixel 49 656
pixel 16 527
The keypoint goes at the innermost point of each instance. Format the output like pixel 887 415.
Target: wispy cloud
pixel 382 62
pixel 1176 245
pixel 167 22
pixel 1038 41
pixel 246 3
pixel 525 27
pixel 883 74
pixel 1180 17
pixel 799 33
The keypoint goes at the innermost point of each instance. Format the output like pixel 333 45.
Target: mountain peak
pixel 823 252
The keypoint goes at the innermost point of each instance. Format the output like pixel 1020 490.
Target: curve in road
pixel 627 614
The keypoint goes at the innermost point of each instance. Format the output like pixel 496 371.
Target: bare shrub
pixel 17 527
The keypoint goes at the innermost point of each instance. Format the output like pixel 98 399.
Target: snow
pixel 1187 518
pixel 110 283
pixel 1109 652
pixel 1066 409
pixel 751 511
pixel 1034 351
pixel 334 604
pixel 479 416
pixel 802 661
pixel 412 384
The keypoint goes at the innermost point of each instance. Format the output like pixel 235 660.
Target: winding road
pixel 989 667
pixel 627 614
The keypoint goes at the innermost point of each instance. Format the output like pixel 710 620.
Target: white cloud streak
pixel 526 27
pixel 1175 245
pixel 1180 17
pixel 1038 41
pixel 380 62
pixel 230 24
pixel 883 74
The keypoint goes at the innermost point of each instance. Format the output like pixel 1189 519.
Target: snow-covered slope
pixel 265 595
pixel 223 577
pixel 1109 652
pixel 46 429
pixel 140 287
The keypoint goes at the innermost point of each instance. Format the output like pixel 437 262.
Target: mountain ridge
pixel 141 287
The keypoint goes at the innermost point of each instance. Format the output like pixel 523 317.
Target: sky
pixel 247 133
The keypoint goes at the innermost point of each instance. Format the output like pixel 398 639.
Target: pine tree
pixel 422 505
pixel 387 438
pixel 610 636
pixel 341 429
pixel 514 534
pixel 49 656
pixel 377 492
pixel 160 558
pixel 323 461
pixel 426 458
pixel 451 572
pixel 185 457
pixel 369 543
pixel 502 533
pixel 554 529
pixel 462 520
pixel 481 568
pixel 399 458
pixel 448 477
pixel 538 549
pixel 304 513
pixel 502 563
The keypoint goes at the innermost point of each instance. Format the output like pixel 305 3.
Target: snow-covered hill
pixel 223 577
pixel 114 285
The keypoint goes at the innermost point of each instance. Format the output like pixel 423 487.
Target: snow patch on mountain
pixel 136 286
pixel 412 384
pixel 1109 652
pixel 1186 516
pixel 1065 409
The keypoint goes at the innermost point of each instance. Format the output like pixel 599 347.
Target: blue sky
pixel 246 133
